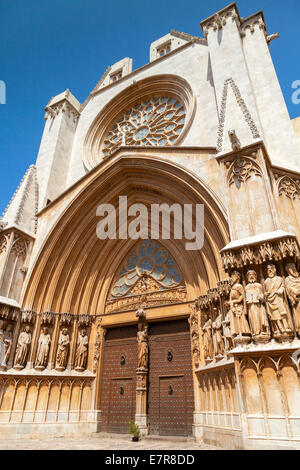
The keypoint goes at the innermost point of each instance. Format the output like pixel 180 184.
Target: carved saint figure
pixel 277 307
pixel 2 347
pixel 292 284
pixel 238 322
pixel 207 339
pixel 22 348
pixel 142 338
pixel 256 311
pixel 227 329
pixel 8 338
pixel 43 348
pixel 218 336
pixel 62 349
pixel 82 350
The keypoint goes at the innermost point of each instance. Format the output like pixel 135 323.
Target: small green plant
pixel 134 430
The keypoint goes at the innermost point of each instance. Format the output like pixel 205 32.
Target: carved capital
pixel 52 111
pixel 66 319
pixel 28 316
pixel 220 19
pixel 47 318
pixel 252 24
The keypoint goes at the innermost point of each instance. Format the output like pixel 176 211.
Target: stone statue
pixel 218 339
pixel 292 284
pixel 227 329
pixel 2 348
pixel 43 349
pixel 82 351
pixel 8 338
pixel 277 307
pixel 22 348
pixel 235 142
pixel 142 338
pixel 255 305
pixel 207 339
pixel 238 322
pixel 62 350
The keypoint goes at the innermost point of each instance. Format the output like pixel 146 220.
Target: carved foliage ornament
pixel 276 250
pixel 247 116
pixel 218 21
pixel 242 169
pixel 288 187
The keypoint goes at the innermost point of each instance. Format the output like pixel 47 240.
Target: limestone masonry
pixel 96 333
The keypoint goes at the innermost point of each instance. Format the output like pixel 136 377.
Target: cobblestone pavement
pixel 103 443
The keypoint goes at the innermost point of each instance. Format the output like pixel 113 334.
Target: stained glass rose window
pixel 157 121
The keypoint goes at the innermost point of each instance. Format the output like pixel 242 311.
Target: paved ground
pixel 103 443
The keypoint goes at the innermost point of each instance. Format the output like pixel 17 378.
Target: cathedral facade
pixel 95 333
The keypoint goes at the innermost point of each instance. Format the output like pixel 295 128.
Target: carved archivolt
pixel 244 109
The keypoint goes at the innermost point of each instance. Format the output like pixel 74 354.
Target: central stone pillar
pixel 142 379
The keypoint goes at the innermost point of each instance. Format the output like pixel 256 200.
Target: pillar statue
pixel 22 348
pixel 62 350
pixel 277 307
pixel 257 315
pixel 239 326
pixel 43 349
pixel 81 351
pixel 292 284
pixel 142 337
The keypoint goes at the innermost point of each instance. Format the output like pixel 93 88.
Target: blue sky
pixel 50 45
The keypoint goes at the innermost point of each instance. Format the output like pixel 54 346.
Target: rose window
pixel 153 122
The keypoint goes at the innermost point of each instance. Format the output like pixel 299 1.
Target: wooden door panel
pixel 170 364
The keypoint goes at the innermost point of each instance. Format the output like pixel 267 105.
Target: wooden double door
pixel 170 383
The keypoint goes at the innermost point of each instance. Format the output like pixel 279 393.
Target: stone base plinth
pixel 141 421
